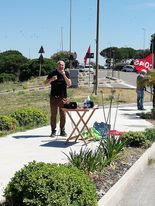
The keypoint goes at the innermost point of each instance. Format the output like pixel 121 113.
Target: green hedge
pixel 136 139
pixel 7 123
pixel 4 77
pixel 45 184
pixel 30 117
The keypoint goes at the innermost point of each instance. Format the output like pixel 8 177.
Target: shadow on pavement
pixel 29 136
pixel 126 109
pixel 58 143
pixel 131 116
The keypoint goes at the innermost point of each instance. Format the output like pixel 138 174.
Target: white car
pixel 88 68
pixel 128 68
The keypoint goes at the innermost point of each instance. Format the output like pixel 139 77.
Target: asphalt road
pixel 128 77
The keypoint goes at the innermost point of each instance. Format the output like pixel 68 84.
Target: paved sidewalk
pixel 20 148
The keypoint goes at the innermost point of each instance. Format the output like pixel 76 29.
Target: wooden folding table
pixel 81 113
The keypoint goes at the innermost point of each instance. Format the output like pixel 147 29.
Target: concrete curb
pixel 115 194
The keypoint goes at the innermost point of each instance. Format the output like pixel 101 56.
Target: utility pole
pixel 153 49
pixel 97 46
pixel 61 38
pixel 144 31
pixel 70 39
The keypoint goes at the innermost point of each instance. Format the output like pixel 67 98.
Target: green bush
pixel 45 184
pixel 30 117
pixel 7 123
pixel 4 77
pixel 136 139
pixel 150 134
pixel 147 115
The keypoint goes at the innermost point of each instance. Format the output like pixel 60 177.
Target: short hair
pixel 143 71
pixel 60 62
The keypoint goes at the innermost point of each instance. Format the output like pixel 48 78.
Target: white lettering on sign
pixel 143 63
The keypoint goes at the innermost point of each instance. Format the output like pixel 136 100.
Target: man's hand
pixel 48 81
pixel 53 78
pixel 62 72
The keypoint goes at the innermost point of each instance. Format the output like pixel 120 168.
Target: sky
pixel 26 25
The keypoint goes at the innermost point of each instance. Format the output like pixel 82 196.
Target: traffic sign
pixel 41 50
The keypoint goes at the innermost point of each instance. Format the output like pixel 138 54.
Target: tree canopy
pixel 123 53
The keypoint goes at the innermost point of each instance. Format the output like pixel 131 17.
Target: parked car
pixel 118 67
pixel 87 69
pixel 129 68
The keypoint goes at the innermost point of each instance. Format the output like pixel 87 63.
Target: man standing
pixel 140 89
pixel 59 80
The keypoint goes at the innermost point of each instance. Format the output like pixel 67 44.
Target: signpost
pixel 41 59
pixel 89 56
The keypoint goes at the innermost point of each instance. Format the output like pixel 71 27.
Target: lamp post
pixel 97 46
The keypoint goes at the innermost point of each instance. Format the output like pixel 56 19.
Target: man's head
pixel 60 65
pixel 143 71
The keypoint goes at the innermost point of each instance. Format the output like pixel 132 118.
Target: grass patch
pixel 151 161
pixel 15 98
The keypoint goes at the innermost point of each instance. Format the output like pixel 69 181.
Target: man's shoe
pixel 63 133
pixel 53 133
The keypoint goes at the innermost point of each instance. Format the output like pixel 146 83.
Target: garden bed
pixel 106 179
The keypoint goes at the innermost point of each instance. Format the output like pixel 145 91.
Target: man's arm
pixel 67 80
pixel 49 80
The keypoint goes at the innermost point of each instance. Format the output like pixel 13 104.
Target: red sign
pixel 145 63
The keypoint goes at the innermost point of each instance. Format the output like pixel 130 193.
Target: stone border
pixel 115 194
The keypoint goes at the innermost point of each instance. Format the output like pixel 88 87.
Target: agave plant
pixel 87 160
pixel 111 148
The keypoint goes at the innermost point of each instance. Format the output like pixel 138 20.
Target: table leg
pixel 76 128
pixel 85 122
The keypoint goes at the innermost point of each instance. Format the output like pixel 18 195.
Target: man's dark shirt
pixel 59 86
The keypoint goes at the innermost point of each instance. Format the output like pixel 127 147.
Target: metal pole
pixel 40 69
pixel 152 41
pixel 70 39
pixel 97 46
pixel 89 71
pixel 144 30
pixel 61 38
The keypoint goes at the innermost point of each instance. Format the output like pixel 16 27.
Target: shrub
pixel 110 147
pixel 136 139
pixel 147 115
pixel 4 77
pixel 30 117
pixel 51 185
pixel 91 161
pixel 7 123
pixel 87 160
pixel 150 134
